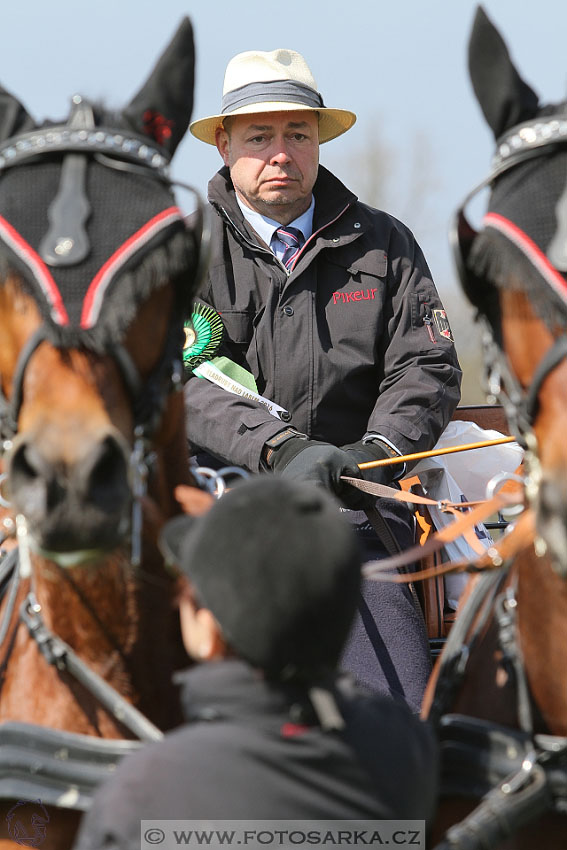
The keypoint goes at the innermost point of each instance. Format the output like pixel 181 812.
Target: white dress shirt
pixel 266 227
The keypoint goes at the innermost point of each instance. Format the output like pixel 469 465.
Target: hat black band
pixel 286 91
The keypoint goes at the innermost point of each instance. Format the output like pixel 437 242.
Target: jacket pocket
pixel 238 325
pixel 351 290
pixel 252 419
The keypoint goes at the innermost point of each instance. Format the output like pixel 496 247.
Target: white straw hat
pixel 274 81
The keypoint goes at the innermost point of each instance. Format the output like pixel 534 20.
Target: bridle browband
pixel 125 145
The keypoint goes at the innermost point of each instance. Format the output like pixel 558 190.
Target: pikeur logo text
pixel 356 295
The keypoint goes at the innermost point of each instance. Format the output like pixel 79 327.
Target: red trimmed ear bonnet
pixel 88 219
pixel 524 235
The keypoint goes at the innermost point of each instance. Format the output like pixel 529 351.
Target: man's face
pixel 273 159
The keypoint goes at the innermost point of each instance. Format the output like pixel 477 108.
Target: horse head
pixel 515 273
pixel 97 269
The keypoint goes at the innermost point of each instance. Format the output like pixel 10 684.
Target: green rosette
pixel 203 336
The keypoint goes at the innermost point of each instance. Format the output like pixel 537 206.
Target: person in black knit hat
pixel 269 582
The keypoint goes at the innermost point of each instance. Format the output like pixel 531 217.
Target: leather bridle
pixel 530 139
pixel 147 397
pixel 124 151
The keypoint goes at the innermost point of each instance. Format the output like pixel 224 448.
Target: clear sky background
pixel 400 65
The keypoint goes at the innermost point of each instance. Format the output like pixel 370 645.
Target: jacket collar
pixel 233 689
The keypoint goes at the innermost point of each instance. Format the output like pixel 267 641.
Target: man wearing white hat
pixel 335 348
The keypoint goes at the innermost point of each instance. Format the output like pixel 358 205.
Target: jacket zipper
pixel 242 235
pixel 270 253
pixel 317 232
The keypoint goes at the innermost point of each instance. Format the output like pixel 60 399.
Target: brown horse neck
pixel 542 624
pixel 120 626
pixel 91 607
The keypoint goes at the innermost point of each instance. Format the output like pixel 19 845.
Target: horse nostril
pixel 32 482
pixel 25 464
pixel 99 478
pixel 105 475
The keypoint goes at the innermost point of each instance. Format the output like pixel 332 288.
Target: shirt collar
pixel 265 227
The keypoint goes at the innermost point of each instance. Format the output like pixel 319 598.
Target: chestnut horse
pixel 499 694
pixel 97 270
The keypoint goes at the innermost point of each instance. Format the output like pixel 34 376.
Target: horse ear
pixel 162 108
pixel 13 116
pixel 504 97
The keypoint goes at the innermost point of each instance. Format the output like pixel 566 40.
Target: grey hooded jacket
pixel 354 341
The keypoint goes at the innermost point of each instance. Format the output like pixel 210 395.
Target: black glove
pixel 320 463
pixel 364 452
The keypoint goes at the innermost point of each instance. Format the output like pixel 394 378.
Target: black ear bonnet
pixel 524 238
pixel 88 219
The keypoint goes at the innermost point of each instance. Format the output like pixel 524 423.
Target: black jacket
pixel 354 340
pixel 252 759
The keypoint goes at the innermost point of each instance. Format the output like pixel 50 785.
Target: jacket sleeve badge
pixel 442 324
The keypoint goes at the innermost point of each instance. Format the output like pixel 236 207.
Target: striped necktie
pixel 293 239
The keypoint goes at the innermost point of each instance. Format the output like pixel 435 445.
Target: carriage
pixel 108 451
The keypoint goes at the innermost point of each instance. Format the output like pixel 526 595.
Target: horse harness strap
pixel 453 662
pixel 383 531
pixel 59 654
pixel 60 768
pixel 552 359
pixel 9 583
pixel 10 409
pixel 502 385
pixel 147 397
pixel 485 597
pixel 460 527
pixel 519 774
pixel 506 611
pixel 519 777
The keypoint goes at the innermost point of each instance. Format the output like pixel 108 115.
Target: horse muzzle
pixel 73 501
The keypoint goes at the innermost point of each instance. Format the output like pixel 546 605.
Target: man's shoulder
pixel 383 220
